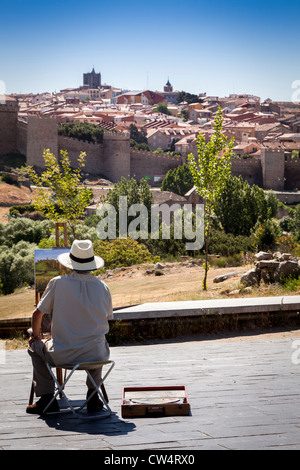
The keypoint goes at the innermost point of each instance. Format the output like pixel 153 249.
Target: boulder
pixel 158 266
pixel 285 256
pixel 263 255
pixel 271 264
pixel 286 269
pixel 223 277
pixel 251 277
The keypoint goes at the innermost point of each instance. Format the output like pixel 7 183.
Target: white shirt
pixel 81 306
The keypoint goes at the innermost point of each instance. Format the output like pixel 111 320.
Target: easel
pixel 38 295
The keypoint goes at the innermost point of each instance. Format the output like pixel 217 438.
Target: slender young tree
pixel 60 196
pixel 210 172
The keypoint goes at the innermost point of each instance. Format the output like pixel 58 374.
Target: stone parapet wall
pixel 94 153
pixel 148 164
pixel 249 169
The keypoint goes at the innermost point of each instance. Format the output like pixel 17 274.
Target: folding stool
pixel 60 387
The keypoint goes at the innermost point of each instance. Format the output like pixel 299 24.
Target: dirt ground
pixel 11 195
pixel 140 284
pixel 137 284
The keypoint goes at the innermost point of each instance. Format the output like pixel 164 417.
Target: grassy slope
pixel 133 286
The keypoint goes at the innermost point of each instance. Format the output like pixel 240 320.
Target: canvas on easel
pixel 46 267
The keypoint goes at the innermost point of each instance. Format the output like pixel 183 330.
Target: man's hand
pixel 32 339
pixel 36 323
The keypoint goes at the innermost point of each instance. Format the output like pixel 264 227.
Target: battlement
pixel 273 150
pixel 78 141
pixel 147 154
pixel 244 161
pixel 41 117
pixel 111 135
pixel 8 107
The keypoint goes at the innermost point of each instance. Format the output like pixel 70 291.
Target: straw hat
pixel 81 257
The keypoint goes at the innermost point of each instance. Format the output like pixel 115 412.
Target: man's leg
pixel 43 382
pixel 97 376
pixel 94 404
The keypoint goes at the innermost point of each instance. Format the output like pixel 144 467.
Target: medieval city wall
pixel 249 169
pixel 149 164
pixel 8 127
pixel 22 137
pixel 94 153
pixel 111 159
pixel 115 158
pixel 41 135
pixel 292 174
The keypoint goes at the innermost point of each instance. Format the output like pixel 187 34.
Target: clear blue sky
pixel 216 47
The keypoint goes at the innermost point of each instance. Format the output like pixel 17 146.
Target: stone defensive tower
pixel 273 168
pixel 116 155
pixel 41 135
pixel 8 124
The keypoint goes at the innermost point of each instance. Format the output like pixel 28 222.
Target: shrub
pixel 288 244
pixel 23 229
pixel 7 178
pixel 122 252
pixel 227 244
pixel 16 266
pixel 287 223
pixel 266 233
pixel 292 283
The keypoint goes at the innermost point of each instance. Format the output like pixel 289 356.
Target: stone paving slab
pixel 243 390
pixel 204 307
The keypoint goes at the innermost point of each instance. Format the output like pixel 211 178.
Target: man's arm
pixel 36 324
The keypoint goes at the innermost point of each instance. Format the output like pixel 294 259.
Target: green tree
pixel 179 181
pixel 82 131
pixel 162 108
pixel 189 98
pixel 136 194
pixel 138 136
pixel 241 205
pixel 60 196
pixel 210 172
pixel 296 218
pixel 138 139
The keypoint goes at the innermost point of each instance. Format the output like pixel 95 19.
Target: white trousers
pixel 42 380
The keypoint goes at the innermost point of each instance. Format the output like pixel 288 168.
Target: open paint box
pixel 155 401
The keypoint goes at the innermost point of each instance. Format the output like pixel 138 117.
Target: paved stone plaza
pixel 243 391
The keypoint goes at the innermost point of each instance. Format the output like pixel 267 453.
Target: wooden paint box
pixel 155 401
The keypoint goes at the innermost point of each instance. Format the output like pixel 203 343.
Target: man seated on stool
pixel 81 306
